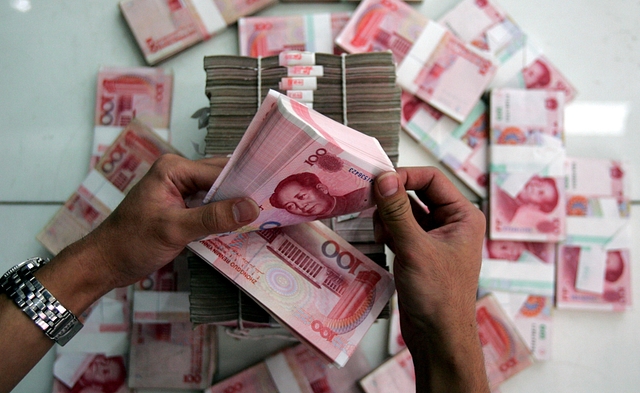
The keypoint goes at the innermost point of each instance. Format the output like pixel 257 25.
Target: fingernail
pixel 244 210
pixel 388 184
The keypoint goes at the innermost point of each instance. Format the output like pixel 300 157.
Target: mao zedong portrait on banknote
pixel 304 194
pixel 539 193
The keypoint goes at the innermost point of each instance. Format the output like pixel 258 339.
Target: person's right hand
pixel 436 267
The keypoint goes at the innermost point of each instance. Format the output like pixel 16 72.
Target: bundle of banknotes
pixel 166 350
pixel 594 262
pixel 124 93
pixel 296 370
pixel 164 28
pixel 213 299
pixel 356 90
pixel 454 131
pixel 269 35
pixel 97 356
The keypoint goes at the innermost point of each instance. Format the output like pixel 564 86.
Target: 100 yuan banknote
pixel 270 35
pixel 127 92
pixel 614 293
pixel 300 166
pixel 164 28
pixel 395 375
pixel 527 165
pixel 505 354
pixel 379 25
pixel 311 280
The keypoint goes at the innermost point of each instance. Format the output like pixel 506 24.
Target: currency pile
pixel 269 35
pixel 164 28
pixel 296 369
pixel 127 92
pixel 357 90
pixel 454 130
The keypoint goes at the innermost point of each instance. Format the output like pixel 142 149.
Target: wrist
pixel 75 276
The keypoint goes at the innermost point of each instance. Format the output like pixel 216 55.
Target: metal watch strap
pixel 58 323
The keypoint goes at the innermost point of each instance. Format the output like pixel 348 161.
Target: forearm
pixel 448 357
pixel 73 280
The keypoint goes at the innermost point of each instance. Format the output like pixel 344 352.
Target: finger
pixel 431 186
pixel 437 192
pixel 218 217
pixel 189 176
pixel 394 208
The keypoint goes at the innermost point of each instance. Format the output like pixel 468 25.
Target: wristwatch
pixel 58 323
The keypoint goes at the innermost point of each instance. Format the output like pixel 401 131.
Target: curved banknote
pixel 310 279
pixel 300 165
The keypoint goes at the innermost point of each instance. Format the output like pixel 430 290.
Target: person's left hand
pixel 152 225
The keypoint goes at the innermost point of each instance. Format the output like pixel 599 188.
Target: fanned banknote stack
pixel 215 300
pixel 269 35
pixel 164 28
pixel 594 262
pixel 296 369
pixel 356 90
pixel 301 166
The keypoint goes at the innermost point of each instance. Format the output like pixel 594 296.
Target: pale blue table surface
pixel 50 52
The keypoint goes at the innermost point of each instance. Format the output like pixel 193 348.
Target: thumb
pixel 394 207
pixel 219 217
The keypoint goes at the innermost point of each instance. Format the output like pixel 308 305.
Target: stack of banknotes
pixel 296 370
pixel 127 92
pixel 213 299
pixel 474 41
pixel 164 28
pixel 269 35
pixel 102 345
pixel 594 262
pixel 166 350
pixel 356 90
pixel 301 166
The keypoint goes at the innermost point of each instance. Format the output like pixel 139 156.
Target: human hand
pixel 152 225
pixel 436 267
